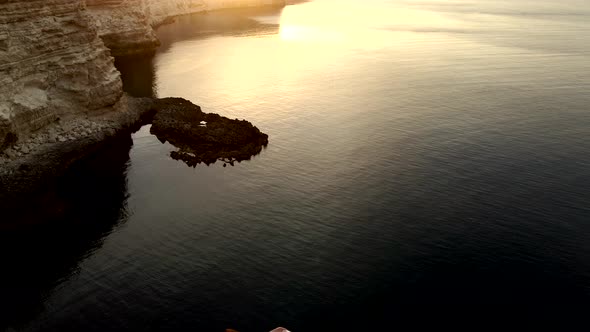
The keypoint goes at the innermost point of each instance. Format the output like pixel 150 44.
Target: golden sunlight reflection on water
pixel 418 150
pixel 357 22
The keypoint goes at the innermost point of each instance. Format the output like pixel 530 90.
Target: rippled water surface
pixel 429 163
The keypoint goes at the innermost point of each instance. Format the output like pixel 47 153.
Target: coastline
pixel 172 19
pixel 33 160
pixel 128 27
pixel 37 164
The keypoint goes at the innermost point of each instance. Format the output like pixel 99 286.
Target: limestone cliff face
pixel 221 4
pixel 52 65
pixel 161 10
pixel 124 25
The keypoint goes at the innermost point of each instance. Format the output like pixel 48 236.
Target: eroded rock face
pixel 161 10
pixel 204 137
pixel 52 65
pixel 124 25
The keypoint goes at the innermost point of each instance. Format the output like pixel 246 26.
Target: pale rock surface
pixel 52 65
pixel 161 10
pixel 280 329
pixel 124 25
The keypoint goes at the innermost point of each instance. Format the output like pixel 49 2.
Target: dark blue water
pixel 428 165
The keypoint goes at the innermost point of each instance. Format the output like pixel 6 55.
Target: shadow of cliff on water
pixel 138 72
pixel 46 235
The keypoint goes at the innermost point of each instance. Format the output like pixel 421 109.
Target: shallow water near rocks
pixel 428 163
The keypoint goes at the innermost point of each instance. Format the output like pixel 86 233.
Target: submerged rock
pixel 179 122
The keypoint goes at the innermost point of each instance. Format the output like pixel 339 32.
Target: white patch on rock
pixel 4 111
pixel 32 98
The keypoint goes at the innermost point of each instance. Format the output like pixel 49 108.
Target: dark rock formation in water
pixel 204 137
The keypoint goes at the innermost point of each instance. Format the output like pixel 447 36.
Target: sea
pixel 428 166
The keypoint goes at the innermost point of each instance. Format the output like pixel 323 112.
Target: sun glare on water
pixel 352 21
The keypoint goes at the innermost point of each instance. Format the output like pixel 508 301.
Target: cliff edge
pixel 53 66
pixel 124 25
pixel 61 96
pixel 127 26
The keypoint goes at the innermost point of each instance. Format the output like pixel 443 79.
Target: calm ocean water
pixel 429 164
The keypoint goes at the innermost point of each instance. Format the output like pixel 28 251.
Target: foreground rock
pixel 204 137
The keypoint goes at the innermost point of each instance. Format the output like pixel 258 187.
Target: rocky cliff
pixel 124 25
pixel 52 65
pixel 161 10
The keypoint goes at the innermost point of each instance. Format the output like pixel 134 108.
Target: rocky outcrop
pixel 204 137
pixel 53 66
pixel 131 113
pixel 124 25
pixel 61 102
pixel 60 91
